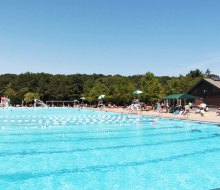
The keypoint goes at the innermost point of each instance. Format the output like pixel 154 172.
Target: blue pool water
pixel 61 148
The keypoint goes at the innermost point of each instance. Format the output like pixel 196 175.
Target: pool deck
pixel 211 116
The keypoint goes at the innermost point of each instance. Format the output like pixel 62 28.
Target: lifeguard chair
pixel 5 102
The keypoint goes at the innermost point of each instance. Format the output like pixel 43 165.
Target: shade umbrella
pixel 138 92
pixel 82 98
pixel 202 105
pixel 101 97
pixel 75 101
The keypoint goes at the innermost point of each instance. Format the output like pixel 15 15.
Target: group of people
pixel 178 110
pixel 165 107
pixel 182 110
pixel 135 105
pixel 110 105
pixel 202 110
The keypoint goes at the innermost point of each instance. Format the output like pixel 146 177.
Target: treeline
pixel 118 89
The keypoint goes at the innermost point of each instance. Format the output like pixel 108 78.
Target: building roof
pixel 213 82
pixel 179 96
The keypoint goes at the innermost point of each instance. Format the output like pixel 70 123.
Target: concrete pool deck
pixel 210 117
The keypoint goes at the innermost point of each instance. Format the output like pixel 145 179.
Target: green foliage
pixel 181 84
pixel 118 89
pixel 153 89
pixel 9 92
pixel 30 96
pixel 195 73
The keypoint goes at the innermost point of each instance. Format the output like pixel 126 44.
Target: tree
pixel 118 89
pixel 195 73
pixel 30 97
pixel 97 90
pixel 153 89
pixel 207 73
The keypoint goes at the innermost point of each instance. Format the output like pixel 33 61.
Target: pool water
pixel 66 148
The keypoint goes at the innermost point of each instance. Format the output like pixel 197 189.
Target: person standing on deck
pixel 190 105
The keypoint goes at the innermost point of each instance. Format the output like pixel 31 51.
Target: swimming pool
pixel 65 148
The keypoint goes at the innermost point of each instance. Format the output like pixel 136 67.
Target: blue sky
pixel 117 36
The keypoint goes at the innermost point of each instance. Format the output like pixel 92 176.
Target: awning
pixel 180 96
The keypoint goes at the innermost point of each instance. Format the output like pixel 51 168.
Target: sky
pixel 123 37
